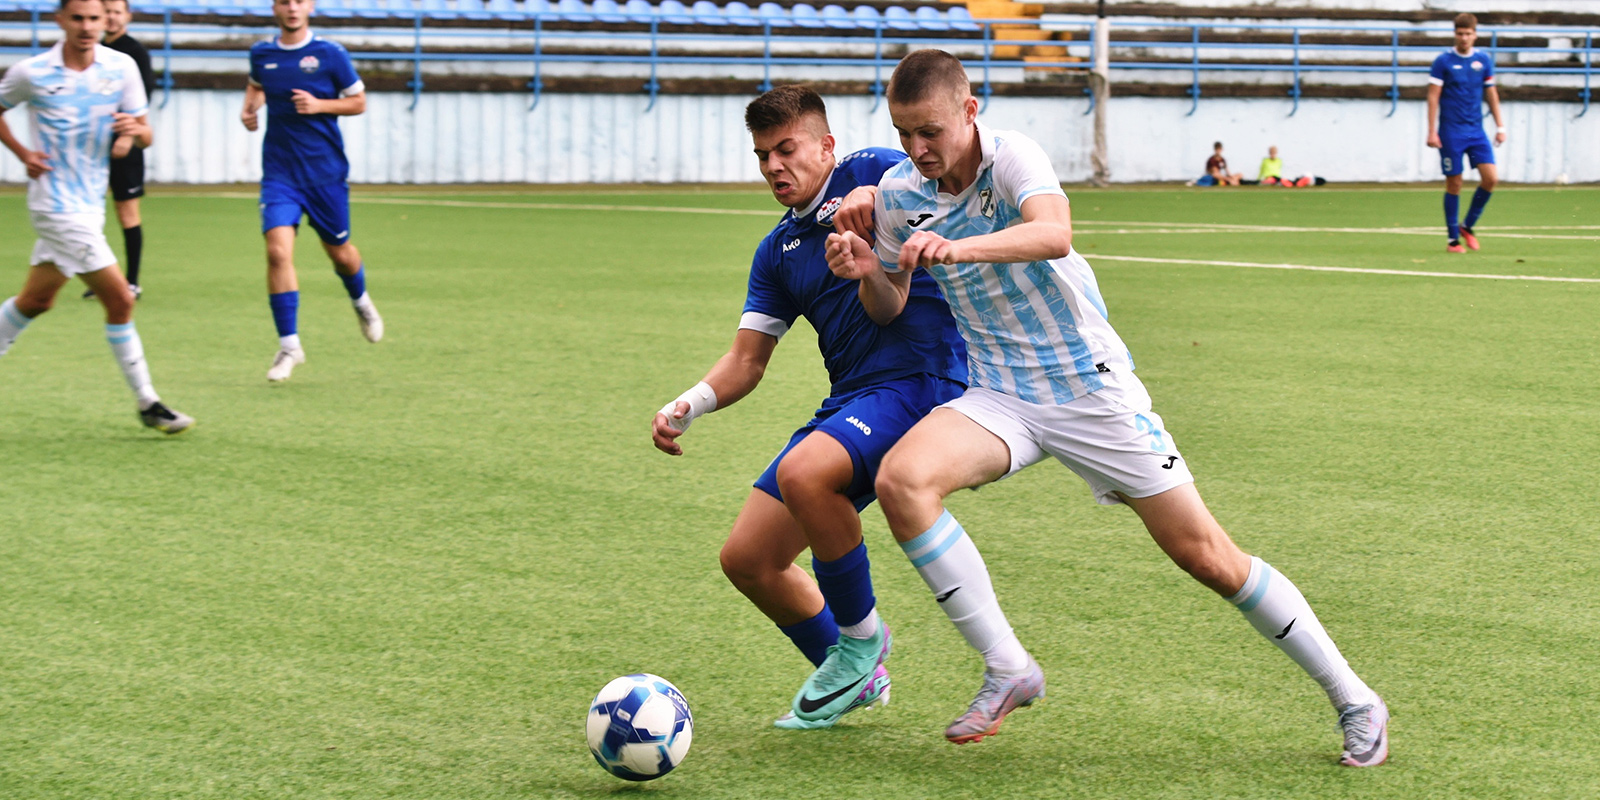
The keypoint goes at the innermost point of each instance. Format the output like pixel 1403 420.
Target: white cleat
pixel 284 363
pixel 371 323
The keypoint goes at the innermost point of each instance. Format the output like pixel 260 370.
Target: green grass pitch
pixel 404 573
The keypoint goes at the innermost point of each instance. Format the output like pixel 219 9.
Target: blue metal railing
pixel 659 48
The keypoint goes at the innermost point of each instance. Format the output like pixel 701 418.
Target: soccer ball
pixel 639 727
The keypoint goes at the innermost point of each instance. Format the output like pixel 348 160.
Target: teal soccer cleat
pixel 845 678
pixel 876 694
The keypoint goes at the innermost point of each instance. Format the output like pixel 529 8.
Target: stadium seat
pixel 368 9
pixel 608 11
pixel 640 11
pixel 929 19
pixel 806 16
pixel 469 9
pixel 503 9
pixel 737 13
pixel 775 15
pixel 867 17
pixel 674 12
pixel 574 11
pixel 961 19
pixel 539 8
pixel 899 19
pixel 834 16
pixel 437 9
pixel 707 13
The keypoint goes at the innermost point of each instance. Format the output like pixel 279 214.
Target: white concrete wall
pixel 465 138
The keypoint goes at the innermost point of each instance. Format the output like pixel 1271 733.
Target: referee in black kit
pixel 127 172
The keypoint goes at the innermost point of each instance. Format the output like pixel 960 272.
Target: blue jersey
pixel 303 149
pixel 1462 79
pixel 790 278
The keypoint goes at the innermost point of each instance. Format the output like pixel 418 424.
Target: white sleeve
pixel 134 100
pixel 762 323
pixel 887 232
pixel 1022 170
pixel 15 88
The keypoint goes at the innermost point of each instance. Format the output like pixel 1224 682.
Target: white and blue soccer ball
pixel 640 727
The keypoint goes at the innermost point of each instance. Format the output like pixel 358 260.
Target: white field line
pixel 426 201
pixel 1090 230
pixel 1360 270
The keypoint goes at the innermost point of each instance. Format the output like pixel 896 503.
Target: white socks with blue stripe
pixel 1277 609
pixel 11 324
pixel 125 345
pixel 950 564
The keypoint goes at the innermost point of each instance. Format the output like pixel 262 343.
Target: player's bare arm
pixel 37 163
pixel 1492 95
pixel 254 98
pixel 734 375
pixel 855 214
pixel 1044 234
pixel 136 129
pixel 1434 91
pixel 307 103
pixel 883 295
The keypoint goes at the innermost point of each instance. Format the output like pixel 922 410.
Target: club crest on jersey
pixel 105 86
pixel 309 64
pixel 986 202
pixel 825 214
pixel 1477 65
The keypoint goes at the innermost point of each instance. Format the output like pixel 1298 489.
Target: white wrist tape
pixel 701 400
pixel 1501 129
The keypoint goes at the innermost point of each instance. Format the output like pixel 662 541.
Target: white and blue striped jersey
pixel 1037 331
pixel 70 114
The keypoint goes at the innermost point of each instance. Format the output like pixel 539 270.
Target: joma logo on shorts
pixel 865 428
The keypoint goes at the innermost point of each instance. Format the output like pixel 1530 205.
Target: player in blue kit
pixel 306 83
pixel 1460 80
pixel 884 378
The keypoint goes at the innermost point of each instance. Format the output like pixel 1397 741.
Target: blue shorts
pixel 868 422
pixel 1476 148
pixel 327 205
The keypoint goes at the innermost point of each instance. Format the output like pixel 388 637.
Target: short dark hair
pixel 1216 145
pixel 1466 21
pixel 784 106
pixel 65 3
pixel 923 72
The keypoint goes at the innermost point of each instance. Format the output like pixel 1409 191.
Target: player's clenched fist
pixel 849 256
pixel 855 214
pixel 305 102
pixel 248 117
pixel 925 249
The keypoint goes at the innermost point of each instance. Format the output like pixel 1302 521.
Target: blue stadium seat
pixel 539 8
pixel 707 13
pixel 867 17
pixel 609 11
pixel 503 9
pixel 674 12
pixel 961 19
pixel 737 13
pixel 899 19
pixel 469 9
pixel 236 8
pixel 806 16
pixel 640 11
pixel 775 15
pixel 574 11
pixel 368 9
pixel 834 16
pixel 437 9
pixel 929 20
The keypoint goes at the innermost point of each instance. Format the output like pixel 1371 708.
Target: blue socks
pixel 814 636
pixel 847 586
pixel 1480 198
pixel 1452 212
pixel 354 285
pixel 285 310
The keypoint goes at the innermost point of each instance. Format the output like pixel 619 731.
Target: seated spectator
pixel 1217 173
pixel 1271 168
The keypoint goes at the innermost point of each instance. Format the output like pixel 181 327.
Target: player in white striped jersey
pixel 983 212
pixel 80 96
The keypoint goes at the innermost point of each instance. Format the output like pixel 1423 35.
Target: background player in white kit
pixel 80 96
pixel 983 212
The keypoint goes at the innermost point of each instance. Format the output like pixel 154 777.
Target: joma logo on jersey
pixel 309 64
pixel 791 245
pixel 864 427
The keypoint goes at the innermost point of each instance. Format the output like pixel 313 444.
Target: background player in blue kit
pixel 884 378
pixel 306 83
pixel 1461 79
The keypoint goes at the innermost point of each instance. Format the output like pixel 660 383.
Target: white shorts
pixel 74 243
pixel 1110 438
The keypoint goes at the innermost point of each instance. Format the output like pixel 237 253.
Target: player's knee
pixel 801 477
pixel 743 567
pixel 33 305
pixel 1488 183
pixel 1212 563
pixel 900 484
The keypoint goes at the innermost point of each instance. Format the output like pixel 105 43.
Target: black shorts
pixel 127 176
